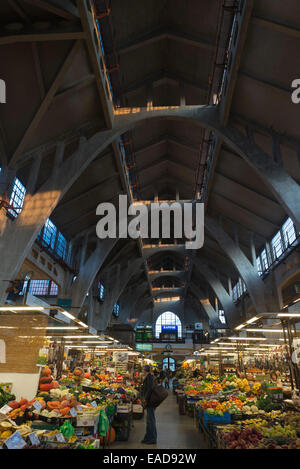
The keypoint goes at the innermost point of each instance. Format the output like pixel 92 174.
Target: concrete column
pixel 34 173
pixel 225 299
pixel 115 289
pixel 7 178
pixel 88 272
pixel 253 251
pixel 248 273
pixel 131 300
pixel 230 287
pixel 205 303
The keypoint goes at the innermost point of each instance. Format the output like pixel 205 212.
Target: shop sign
pixel 60 437
pixel 37 405
pixel 34 439
pixel 64 303
pixel 15 441
pixel 5 409
pixel 73 412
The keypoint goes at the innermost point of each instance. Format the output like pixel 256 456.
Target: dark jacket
pixel 147 387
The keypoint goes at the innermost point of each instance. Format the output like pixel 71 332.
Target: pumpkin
pixel 77 372
pixel 55 385
pixel 112 436
pixel 53 405
pixel 65 410
pixel 87 375
pixel 46 387
pixel 45 379
pixel 14 405
pixel 46 372
pixel 23 401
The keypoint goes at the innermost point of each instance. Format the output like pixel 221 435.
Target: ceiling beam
pixel 162 34
pixel 286 139
pixel 251 193
pixel 19 10
pixel 38 70
pixel 163 76
pixel 55 35
pixel 83 195
pixel 75 86
pixel 165 180
pixel 62 8
pixel 276 26
pixel 165 159
pixel 45 103
pixel 270 84
pixel 231 77
pixel 250 213
pixel 167 138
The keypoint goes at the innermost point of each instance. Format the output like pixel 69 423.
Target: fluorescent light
pixel 226 343
pixel 289 315
pixel 22 308
pixel 69 315
pixel 263 330
pixel 77 346
pixel 77 336
pixel 82 324
pixel 94 342
pixel 247 338
pixel 240 327
pixel 250 321
pixel 58 328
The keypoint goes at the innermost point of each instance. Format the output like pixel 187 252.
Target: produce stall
pixel 234 413
pixel 74 412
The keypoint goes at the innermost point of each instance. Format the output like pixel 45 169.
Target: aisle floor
pixel 174 431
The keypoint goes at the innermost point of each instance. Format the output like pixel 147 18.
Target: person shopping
pixel 147 387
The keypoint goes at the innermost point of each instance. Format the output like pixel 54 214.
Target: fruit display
pixel 5 397
pixel 242 414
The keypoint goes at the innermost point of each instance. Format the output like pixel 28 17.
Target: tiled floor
pixel 174 431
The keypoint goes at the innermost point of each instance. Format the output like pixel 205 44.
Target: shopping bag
pixel 158 395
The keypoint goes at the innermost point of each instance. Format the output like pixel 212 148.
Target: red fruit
pixel 23 401
pixel 14 404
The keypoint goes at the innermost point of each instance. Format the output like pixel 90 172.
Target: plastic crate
pixel 216 419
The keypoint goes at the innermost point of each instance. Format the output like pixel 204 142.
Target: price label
pixel 15 441
pixel 79 407
pixel 5 409
pixel 60 438
pixel 73 412
pixel 94 404
pixel 37 405
pixel 34 439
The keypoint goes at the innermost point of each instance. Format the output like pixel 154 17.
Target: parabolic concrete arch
pixel 39 206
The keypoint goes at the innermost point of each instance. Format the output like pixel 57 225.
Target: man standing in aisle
pixel 148 384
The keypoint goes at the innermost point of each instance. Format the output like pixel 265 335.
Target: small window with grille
pixel 17 198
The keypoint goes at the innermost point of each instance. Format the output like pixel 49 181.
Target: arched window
pixel 169 363
pixel 168 319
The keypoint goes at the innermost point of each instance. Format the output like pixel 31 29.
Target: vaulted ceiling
pixel 158 53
